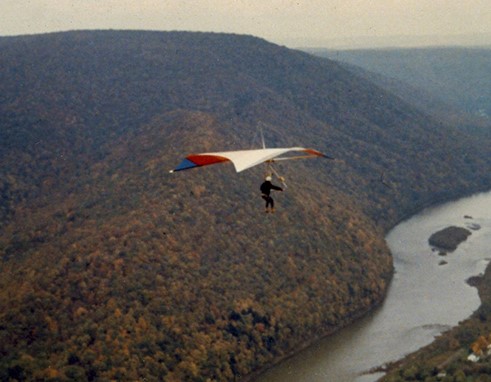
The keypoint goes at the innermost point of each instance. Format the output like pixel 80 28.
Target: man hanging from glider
pixel 244 159
pixel 266 188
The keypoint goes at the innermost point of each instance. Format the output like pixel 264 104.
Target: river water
pixel 428 295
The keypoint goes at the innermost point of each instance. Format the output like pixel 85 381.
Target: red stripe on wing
pixel 204 160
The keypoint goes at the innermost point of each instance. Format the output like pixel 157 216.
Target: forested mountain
pixel 112 268
pixel 453 84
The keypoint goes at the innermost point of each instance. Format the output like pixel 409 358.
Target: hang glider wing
pixel 245 159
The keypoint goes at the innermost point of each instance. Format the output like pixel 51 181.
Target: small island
pixel 449 238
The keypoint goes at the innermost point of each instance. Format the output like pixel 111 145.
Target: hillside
pixel 450 83
pixel 112 268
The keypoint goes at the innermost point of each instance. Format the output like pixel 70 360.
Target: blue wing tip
pixel 184 165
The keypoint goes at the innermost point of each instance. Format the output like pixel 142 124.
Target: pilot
pixel 266 188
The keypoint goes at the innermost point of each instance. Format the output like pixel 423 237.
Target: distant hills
pixel 452 83
pixel 112 268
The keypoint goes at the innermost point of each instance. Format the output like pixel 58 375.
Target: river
pixel 428 295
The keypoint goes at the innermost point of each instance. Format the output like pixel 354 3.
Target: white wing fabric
pixel 243 159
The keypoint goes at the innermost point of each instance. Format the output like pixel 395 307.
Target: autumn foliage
pixel 114 269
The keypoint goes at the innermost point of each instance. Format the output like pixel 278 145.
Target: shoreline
pixel 306 344
pixel 447 353
pixel 382 368
pixel 430 352
pixel 391 366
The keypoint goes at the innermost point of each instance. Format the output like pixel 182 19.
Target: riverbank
pixel 446 358
pixel 259 374
pixel 425 299
pixel 447 355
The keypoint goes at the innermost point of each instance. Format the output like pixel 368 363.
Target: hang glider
pixel 244 159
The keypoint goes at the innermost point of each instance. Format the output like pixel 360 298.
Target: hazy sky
pixel 289 22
